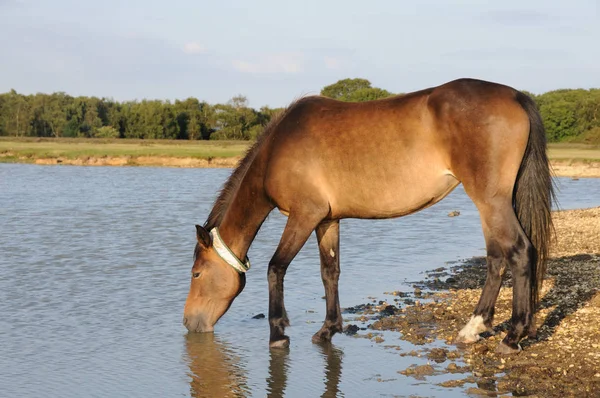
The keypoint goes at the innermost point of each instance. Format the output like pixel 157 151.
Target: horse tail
pixel 534 194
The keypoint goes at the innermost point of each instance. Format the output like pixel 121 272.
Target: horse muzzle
pixel 197 324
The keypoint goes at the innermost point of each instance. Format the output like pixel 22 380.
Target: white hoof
pixel 470 333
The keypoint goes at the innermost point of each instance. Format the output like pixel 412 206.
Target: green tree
pixel 56 112
pixel 17 114
pixel 567 114
pixel 193 119
pixel 107 132
pixel 342 89
pixel 354 90
pixel 113 116
pixel 368 94
pixel 235 120
pixel 3 114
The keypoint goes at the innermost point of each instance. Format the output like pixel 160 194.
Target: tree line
pixel 61 115
pixel 569 115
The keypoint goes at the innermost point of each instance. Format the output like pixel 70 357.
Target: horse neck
pixel 246 212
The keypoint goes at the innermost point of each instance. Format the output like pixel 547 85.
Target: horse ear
pixel 204 238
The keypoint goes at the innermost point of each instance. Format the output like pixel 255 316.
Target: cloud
pixel 274 63
pixel 518 17
pixel 13 4
pixel 193 48
pixel 507 54
pixel 332 62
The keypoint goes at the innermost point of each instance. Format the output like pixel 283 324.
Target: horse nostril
pixel 185 321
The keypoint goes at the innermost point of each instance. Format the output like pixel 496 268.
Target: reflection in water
pixel 333 369
pixel 278 368
pixel 279 365
pixel 215 370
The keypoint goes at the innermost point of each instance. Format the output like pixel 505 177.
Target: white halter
pixel 226 254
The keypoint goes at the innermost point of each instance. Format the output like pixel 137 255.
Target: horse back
pixel 394 156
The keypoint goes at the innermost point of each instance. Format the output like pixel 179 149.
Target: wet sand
pixel 563 360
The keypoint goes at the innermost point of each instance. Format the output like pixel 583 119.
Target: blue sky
pixel 275 51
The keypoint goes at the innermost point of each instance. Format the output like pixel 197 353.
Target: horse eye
pixel 196 275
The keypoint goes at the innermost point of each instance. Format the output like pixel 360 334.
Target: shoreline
pixel 563 359
pixel 576 168
pixel 132 161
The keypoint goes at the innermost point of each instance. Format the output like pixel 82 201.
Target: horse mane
pixel 234 181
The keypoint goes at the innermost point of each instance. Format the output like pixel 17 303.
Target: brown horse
pixel 323 160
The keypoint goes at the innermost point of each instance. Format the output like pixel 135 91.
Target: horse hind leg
pixel 483 317
pixel 496 238
pixel 328 237
pixel 507 245
pixel 520 259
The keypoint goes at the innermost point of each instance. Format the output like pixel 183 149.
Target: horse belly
pixel 393 198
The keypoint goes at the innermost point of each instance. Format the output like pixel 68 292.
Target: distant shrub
pixel 589 137
pixel 106 132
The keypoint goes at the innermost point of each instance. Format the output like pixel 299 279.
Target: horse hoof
pixel 281 343
pixel 470 333
pixel 467 339
pixel 322 337
pixel 505 349
pixel 318 338
pixel 532 334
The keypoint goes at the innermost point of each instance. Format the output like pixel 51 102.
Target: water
pixel 94 272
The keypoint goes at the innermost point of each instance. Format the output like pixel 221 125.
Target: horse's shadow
pixel 573 287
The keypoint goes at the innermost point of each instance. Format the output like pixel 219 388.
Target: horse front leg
pixel 328 237
pixel 296 232
pixel 278 319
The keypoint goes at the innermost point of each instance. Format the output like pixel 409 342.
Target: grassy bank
pixel 574 152
pixel 165 152
pixel 28 150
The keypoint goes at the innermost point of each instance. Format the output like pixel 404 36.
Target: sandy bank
pixel 570 168
pixel 562 360
pixel 562 168
pixel 160 161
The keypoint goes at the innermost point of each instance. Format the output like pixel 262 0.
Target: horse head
pixel 215 284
